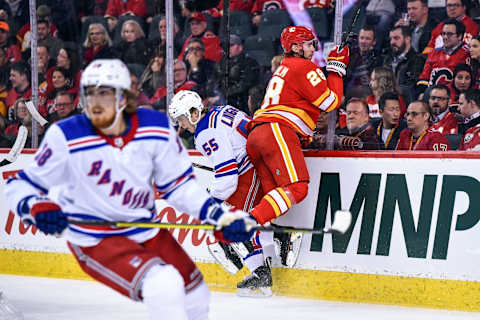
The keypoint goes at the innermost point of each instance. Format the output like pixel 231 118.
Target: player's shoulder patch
pixel 76 127
pixel 208 120
pixel 152 118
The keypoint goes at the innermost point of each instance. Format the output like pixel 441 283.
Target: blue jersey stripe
pixel 151 138
pixel 223 164
pixel 89 147
pixel 228 173
pixel 22 175
pixel 167 185
pixel 166 195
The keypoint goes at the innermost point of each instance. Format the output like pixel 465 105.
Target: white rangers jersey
pixel 105 178
pixel 221 136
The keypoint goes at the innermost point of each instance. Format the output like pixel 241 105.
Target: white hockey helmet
pixel 183 102
pixel 109 73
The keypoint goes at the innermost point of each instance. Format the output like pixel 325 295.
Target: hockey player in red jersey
pixel 418 136
pixel 295 96
pixel 106 161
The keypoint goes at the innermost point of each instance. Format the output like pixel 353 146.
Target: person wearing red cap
pixel 296 94
pixel 11 49
pixel 198 26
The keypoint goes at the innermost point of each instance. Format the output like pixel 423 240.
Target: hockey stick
pixel 353 22
pixel 340 224
pixel 17 147
pixel 201 166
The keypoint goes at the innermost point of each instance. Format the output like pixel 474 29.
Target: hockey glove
pixel 232 225
pixel 45 214
pixel 338 60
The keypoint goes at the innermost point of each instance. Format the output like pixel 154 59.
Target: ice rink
pixel 52 299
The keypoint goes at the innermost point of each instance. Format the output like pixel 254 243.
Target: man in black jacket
pixel 404 61
pixel 389 126
pixel 243 73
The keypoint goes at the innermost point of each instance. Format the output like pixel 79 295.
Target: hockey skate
pixel 287 247
pixel 7 310
pixel 226 256
pixel 258 283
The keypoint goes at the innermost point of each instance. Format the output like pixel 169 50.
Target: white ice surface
pixel 52 299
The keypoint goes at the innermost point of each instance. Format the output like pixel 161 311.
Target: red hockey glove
pixel 338 60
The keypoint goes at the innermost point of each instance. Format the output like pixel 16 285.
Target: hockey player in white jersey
pixel 220 135
pixel 105 162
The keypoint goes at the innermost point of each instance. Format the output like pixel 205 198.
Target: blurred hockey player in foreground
pixel 221 135
pixel 296 93
pixel 106 162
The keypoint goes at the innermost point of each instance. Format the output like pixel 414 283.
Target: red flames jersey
pixel 436 41
pixel 471 139
pixel 448 124
pixel 439 66
pixel 429 140
pixel 296 94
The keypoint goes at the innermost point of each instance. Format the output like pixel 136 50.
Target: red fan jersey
pixel 436 41
pixel 296 93
pixel 213 46
pixel 439 66
pixel 264 5
pixel 428 140
pixel 471 139
pixel 448 124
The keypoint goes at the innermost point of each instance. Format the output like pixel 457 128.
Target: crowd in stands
pixel 413 82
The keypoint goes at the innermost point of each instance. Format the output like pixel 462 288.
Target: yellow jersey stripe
pixel 287 158
pixel 284 196
pixel 294 111
pixel 322 97
pixel 274 205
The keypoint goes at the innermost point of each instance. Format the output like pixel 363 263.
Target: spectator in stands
pixel 116 8
pixel 97 45
pixel 198 26
pixel 87 8
pixel 418 136
pixel 20 111
pixel 363 59
pixel 69 59
pixel 65 106
pixel 44 38
pixel 135 86
pixel 440 63
pixel 462 81
pixel 469 107
pixel 24 34
pixel 260 6
pixel 404 61
pixel 62 81
pixel 380 14
pixel 358 126
pixel 161 40
pixel 134 47
pixel 199 69
pixel 243 74
pixel 155 8
pixel 112 23
pixel 475 55
pixel 153 77
pixel 255 98
pixel 383 80
pixel 27 122
pixel 389 126
pixel 44 63
pixel 456 10
pixel 11 49
pixel 420 24
pixel 20 82
pixel 180 83
pixel 443 120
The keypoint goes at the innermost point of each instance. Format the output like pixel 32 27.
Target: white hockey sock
pixel 198 301
pixel 266 241
pixel 254 260
pixel 164 293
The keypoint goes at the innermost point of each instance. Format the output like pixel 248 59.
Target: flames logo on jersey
pixel 441 76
